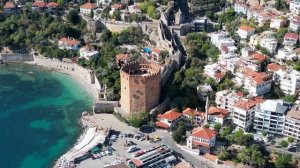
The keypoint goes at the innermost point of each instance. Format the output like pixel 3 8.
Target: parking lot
pixel 119 152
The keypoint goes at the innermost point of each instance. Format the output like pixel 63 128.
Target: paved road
pixel 196 161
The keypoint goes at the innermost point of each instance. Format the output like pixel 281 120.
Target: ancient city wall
pixel 15 57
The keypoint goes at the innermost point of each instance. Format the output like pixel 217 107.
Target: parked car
pixel 132 149
pixel 103 154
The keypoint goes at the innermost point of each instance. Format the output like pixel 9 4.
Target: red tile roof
pixel 240 94
pixel 156 51
pixel 291 36
pixel 121 56
pixel 170 115
pixel 248 104
pixel 189 111
pixel 9 5
pixel 70 42
pixel 259 56
pixel 52 5
pixel 257 77
pixel 218 112
pixel 219 75
pixel 40 4
pixel 117 6
pixel 204 133
pixel 161 124
pixel 89 6
pixel 246 28
pixel 274 67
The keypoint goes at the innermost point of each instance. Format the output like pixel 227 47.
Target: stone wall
pixel 105 106
pixel 15 57
pixel 120 26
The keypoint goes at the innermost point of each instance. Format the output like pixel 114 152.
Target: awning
pixel 95 149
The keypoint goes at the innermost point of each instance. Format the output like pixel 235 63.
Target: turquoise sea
pixel 39 114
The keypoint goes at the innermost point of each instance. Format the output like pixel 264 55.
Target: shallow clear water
pixel 39 114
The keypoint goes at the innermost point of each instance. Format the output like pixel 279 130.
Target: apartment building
pixel 277 23
pixel 294 23
pixel 292 123
pixel 243 112
pixel 217 115
pixel 225 99
pixel 221 39
pixel 257 83
pixel 245 31
pixel 288 81
pixel 290 39
pixel 241 8
pixel 87 8
pixel 270 116
pixel 295 7
pixel 269 42
pixel 286 54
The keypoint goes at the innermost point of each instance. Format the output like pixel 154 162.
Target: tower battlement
pixel 140 87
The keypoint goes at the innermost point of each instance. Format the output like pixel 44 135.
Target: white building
pixel 295 23
pixel 245 31
pixel 87 8
pixel 202 139
pixel 193 114
pixel 295 7
pixel 292 123
pixel 269 42
pixel 288 81
pixel 168 119
pixel 257 83
pixel 88 53
pixel 277 23
pixel 286 54
pixel 221 39
pixel 217 115
pixel 214 71
pixel 290 39
pixel 225 99
pixel 241 8
pixel 270 117
pixel 243 112
pixel 68 44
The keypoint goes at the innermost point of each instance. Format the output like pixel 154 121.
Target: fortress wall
pixel 15 57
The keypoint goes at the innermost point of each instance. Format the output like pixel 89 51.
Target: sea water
pixel 39 114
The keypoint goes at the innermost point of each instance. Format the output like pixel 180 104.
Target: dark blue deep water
pixel 39 114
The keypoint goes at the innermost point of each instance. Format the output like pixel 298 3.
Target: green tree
pixel 223 153
pixel 289 98
pixel 264 133
pixel 284 144
pixel 291 139
pixel 61 2
pixel 179 134
pixel 209 14
pixel 217 127
pixel 283 161
pixel 73 17
pixel 280 34
pixel 138 119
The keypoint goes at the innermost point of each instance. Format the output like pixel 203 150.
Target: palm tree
pixel 223 153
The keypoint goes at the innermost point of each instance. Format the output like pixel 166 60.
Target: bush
pixel 138 119
pixel 264 133
pixel 179 135
pixel 291 139
pixel 284 144
pixel 217 127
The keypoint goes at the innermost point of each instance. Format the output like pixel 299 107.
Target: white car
pixel 103 154
pixel 132 149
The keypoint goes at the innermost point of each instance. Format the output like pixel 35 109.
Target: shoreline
pixel 91 90
pixel 58 66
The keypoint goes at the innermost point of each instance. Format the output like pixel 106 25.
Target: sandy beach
pixel 78 73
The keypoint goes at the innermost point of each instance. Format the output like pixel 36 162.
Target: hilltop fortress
pixel 140 87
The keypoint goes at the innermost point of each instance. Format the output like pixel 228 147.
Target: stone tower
pixel 140 87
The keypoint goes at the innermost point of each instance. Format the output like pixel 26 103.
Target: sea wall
pixel 105 106
pixel 15 57
pixel 83 75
